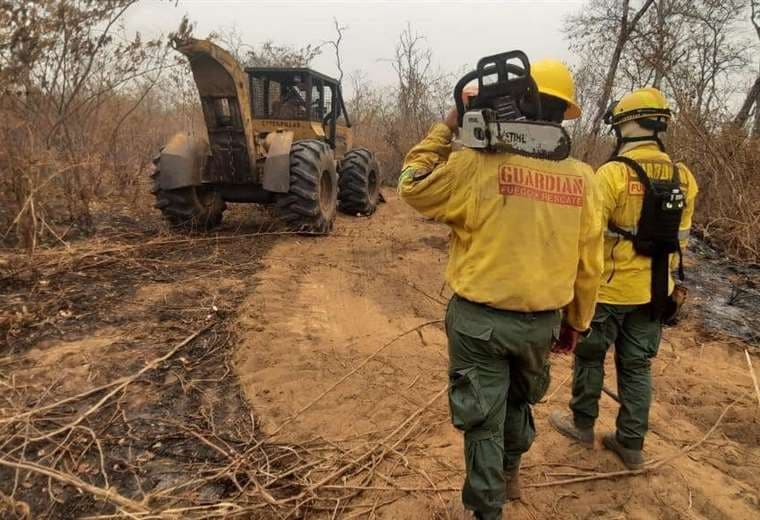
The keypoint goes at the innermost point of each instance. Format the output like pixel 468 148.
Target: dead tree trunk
pixel 753 97
pixel 626 28
pixel 659 63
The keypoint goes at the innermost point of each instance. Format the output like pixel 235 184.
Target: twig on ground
pixel 130 379
pixel 384 441
pixel 352 372
pixel 754 377
pixel 108 495
pixel 420 489
pixel 611 394
pixel 652 466
pixel 557 389
pixel 122 382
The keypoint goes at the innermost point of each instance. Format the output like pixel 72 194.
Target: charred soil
pixel 259 374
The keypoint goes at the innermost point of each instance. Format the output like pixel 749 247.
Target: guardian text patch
pixel 554 188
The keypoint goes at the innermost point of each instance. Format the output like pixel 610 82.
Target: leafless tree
pixel 753 95
pixel 335 44
pixel 612 17
pixel 232 41
pixel 271 54
pixel 392 119
pixel 712 55
pixel 412 64
pixel 70 60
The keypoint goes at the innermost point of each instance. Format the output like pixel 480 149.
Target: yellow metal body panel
pixel 307 130
pixel 277 165
pixel 218 74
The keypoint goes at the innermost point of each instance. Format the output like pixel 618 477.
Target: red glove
pixel 568 339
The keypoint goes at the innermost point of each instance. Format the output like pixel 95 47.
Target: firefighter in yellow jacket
pixel 526 242
pixel 648 203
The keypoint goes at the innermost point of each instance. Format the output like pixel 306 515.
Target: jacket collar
pixel 646 150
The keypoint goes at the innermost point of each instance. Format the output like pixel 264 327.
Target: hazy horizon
pixel 457 32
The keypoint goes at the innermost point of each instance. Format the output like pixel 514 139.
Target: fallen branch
pixel 352 372
pixel 557 389
pixel 383 442
pixel 611 394
pixel 126 382
pixel 109 495
pixel 249 452
pixel 754 377
pixel 75 257
pixel 400 489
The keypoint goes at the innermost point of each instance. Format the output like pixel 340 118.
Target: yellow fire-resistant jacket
pixel 526 233
pixel 627 275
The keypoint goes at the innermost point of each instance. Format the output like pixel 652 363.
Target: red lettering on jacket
pixel 552 188
pixel 635 188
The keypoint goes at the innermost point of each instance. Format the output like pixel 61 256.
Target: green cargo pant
pixel 498 367
pixel 636 338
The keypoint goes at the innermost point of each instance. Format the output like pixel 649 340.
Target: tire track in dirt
pixel 323 306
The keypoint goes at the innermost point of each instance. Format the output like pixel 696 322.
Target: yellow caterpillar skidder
pixel 275 136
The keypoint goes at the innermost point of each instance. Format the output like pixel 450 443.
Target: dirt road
pixel 316 388
pixel 308 356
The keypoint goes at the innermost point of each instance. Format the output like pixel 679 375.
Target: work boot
pixel 512 484
pixel 456 511
pixel 633 459
pixel 565 424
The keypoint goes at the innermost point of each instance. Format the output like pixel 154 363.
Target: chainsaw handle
pixel 498 63
pixel 458 88
pixel 472 75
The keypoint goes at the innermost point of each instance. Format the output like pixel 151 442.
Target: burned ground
pixel 305 377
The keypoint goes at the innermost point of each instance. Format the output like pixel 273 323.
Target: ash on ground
pixel 724 294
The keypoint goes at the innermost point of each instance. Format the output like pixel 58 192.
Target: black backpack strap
pixel 620 231
pixel 659 284
pixel 636 167
pixel 643 178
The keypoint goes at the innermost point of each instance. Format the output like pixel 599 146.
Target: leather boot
pixel 565 425
pixel 456 511
pixel 633 459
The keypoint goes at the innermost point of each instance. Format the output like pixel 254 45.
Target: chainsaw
pixel 504 115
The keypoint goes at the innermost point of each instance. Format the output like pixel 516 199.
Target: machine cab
pixel 301 100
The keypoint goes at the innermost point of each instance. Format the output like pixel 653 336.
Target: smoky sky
pixel 457 32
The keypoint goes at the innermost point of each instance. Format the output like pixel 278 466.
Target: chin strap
pixel 648 124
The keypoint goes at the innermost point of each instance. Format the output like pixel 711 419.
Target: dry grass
pixel 727 167
pixel 165 433
pixel 227 466
pixel 95 441
pixel 48 193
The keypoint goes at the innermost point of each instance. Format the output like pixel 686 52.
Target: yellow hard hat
pixel 553 78
pixel 639 104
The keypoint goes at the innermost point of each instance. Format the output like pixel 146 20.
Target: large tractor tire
pixel 310 204
pixel 359 182
pixel 189 208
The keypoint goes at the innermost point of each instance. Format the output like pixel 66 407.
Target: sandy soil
pixel 340 339
pixel 322 308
